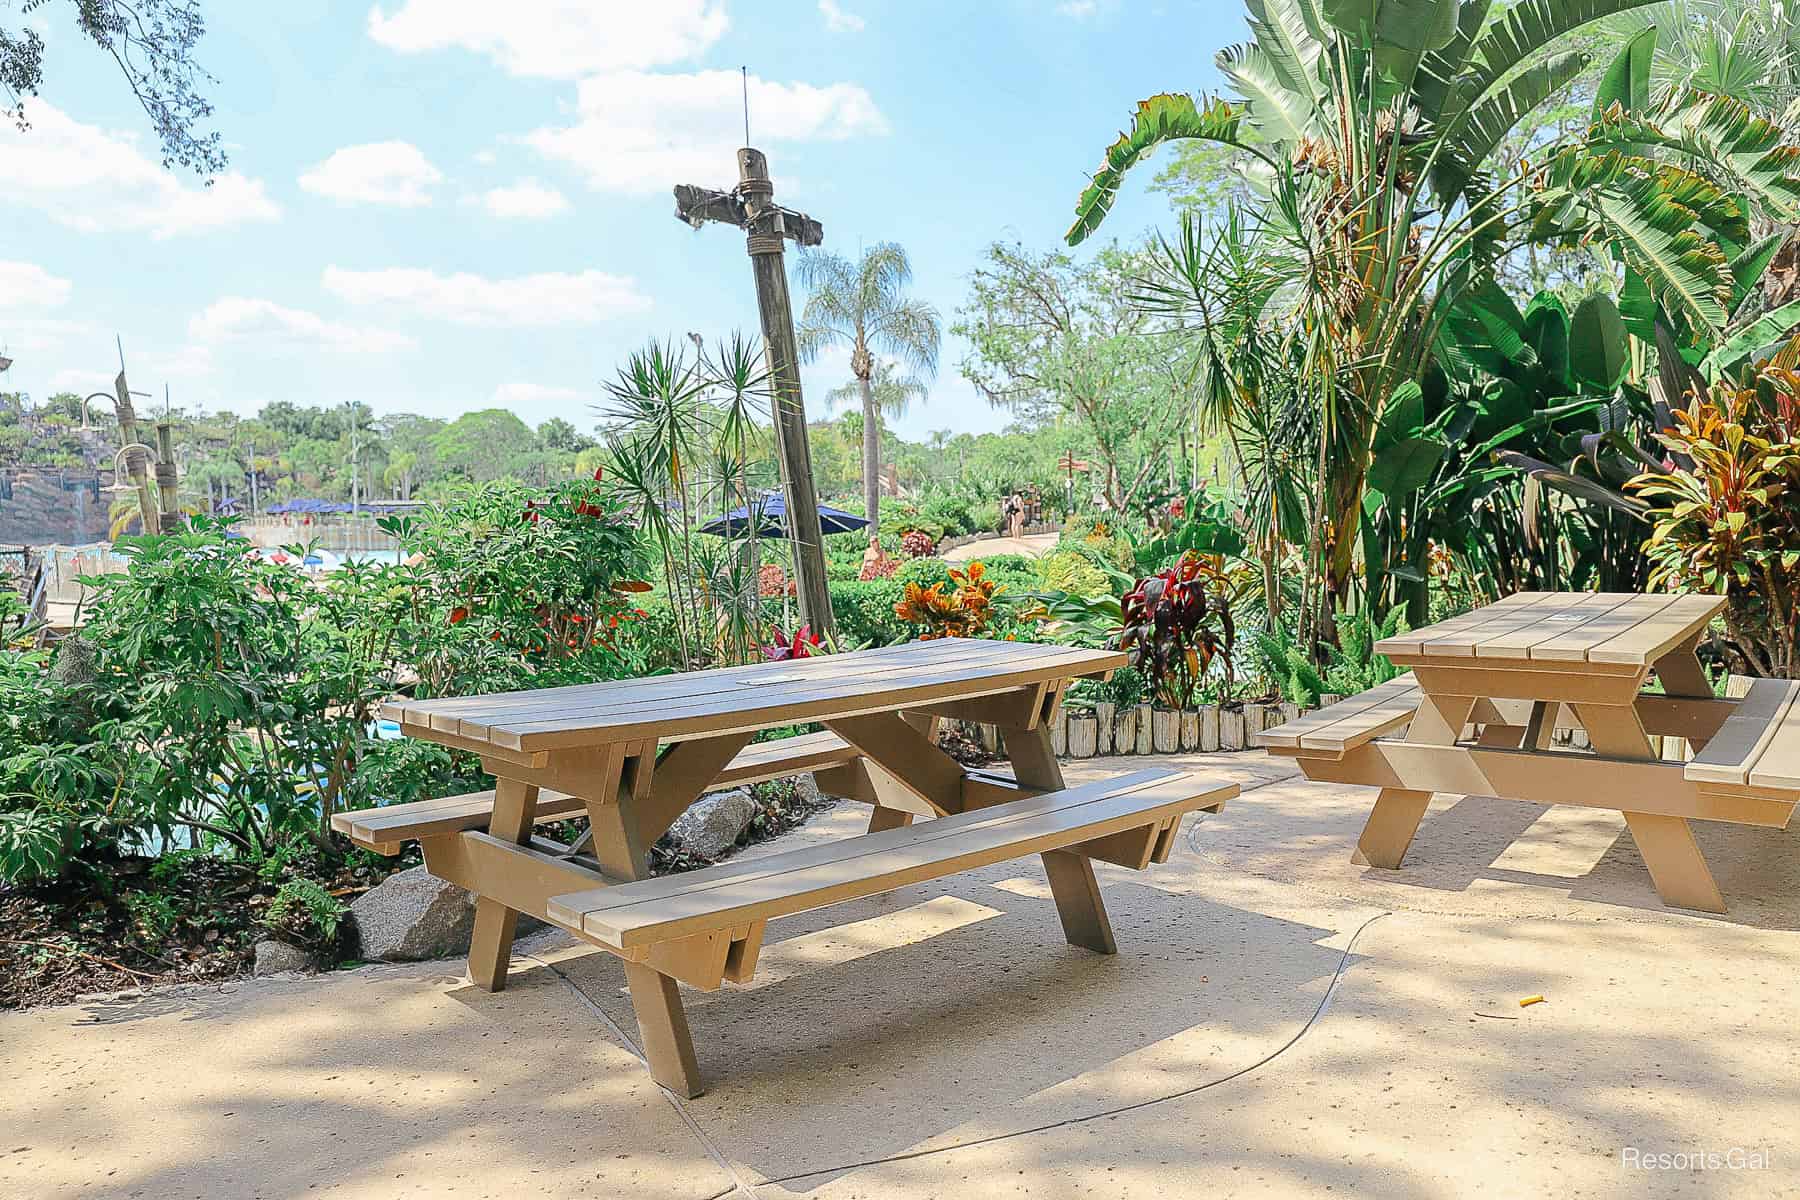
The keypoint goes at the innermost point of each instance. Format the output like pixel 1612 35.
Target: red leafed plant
pixel 916 543
pixel 1169 627
pixel 800 645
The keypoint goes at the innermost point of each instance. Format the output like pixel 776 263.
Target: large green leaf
pixel 1402 417
pixel 1411 26
pixel 1743 148
pixel 1749 264
pixel 1547 332
pixel 1627 79
pixel 1440 70
pixel 1405 466
pixel 1162 118
pixel 1527 28
pixel 1291 34
pixel 1684 271
pixel 1766 331
pixel 1496 115
pixel 1597 349
pixel 1274 109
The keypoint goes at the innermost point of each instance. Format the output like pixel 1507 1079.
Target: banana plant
pixel 1368 126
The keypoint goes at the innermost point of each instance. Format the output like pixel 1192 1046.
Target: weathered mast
pixel 751 207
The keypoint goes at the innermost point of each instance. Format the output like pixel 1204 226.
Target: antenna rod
pixel 745 72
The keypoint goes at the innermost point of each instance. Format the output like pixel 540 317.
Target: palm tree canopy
pixel 863 305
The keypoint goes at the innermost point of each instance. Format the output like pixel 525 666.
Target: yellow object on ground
pixel 1530 1000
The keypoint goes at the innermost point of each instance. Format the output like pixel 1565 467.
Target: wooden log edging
pixel 1146 730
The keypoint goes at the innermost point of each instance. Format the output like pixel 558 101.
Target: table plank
pixel 420 712
pixel 1582 611
pixel 1412 642
pixel 1574 645
pixel 1499 622
pixel 755 710
pixel 1650 639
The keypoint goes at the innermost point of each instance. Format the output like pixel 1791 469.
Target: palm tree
pixel 863 306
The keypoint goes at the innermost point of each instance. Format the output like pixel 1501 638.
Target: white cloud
pixel 641 132
pixel 550 298
pixel 527 199
pixel 536 395
pixel 837 20
pixel 26 285
pixel 267 325
pixel 555 39
pixel 99 182
pixel 391 173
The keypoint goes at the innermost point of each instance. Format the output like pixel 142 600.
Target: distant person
pixel 1013 509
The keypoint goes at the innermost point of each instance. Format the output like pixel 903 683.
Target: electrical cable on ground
pixel 749 1189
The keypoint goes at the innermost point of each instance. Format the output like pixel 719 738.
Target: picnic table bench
pixel 1487 689
pixel 632 755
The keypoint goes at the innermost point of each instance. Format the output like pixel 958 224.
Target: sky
pixel 436 206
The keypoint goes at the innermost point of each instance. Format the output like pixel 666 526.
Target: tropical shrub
pixel 964 609
pixel 865 612
pixel 1726 513
pixel 1350 666
pixel 917 543
pixel 1075 573
pixel 1176 623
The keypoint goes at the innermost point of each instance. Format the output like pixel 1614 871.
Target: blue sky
pixel 441 205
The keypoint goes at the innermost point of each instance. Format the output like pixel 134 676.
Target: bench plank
pixel 1351 722
pixel 1732 753
pixel 1778 766
pixel 777 885
pixel 385 829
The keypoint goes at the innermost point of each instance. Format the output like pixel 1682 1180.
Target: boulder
pixel 413 915
pixel 713 824
pixel 273 957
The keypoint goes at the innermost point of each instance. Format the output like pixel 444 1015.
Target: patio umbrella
pixel 773 510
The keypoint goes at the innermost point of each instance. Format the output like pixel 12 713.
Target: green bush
pixel 1075 573
pixel 865 612
pixel 923 571
pixel 949 512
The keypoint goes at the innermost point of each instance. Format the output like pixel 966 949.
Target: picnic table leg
pixel 490 945
pixel 1397 812
pixel 1671 855
pixel 663 1027
pixel 1071 875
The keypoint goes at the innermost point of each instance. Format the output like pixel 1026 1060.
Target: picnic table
pixel 632 755
pixel 1487 690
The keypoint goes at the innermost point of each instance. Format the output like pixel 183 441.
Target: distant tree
pixel 152 42
pixel 560 435
pixel 483 445
pixel 863 307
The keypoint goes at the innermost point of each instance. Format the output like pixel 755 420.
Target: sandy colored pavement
pixel 1032 545
pixel 881 1034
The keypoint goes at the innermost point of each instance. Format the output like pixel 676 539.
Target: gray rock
pixel 273 957
pixel 806 790
pixel 712 826
pixel 413 915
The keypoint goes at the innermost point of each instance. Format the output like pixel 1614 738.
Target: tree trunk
pixel 871 458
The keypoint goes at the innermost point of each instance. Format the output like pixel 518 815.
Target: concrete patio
pixel 914 1024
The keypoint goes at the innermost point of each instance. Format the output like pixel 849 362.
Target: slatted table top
pixel 760 696
pixel 1559 630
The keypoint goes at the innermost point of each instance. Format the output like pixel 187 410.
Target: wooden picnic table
pixel 632 755
pixel 1487 690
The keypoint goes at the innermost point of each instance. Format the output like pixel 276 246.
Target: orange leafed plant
pixel 967 610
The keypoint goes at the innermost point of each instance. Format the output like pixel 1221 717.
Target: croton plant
pixel 1176 622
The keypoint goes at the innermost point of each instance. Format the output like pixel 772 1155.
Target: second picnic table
pixel 1487 689
pixel 632 755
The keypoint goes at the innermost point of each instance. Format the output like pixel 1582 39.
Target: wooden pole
pixel 165 475
pixel 134 459
pixel 768 264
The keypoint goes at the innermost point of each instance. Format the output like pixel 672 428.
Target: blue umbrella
pixel 773 510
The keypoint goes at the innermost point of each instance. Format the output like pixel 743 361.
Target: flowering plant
pixel 966 610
